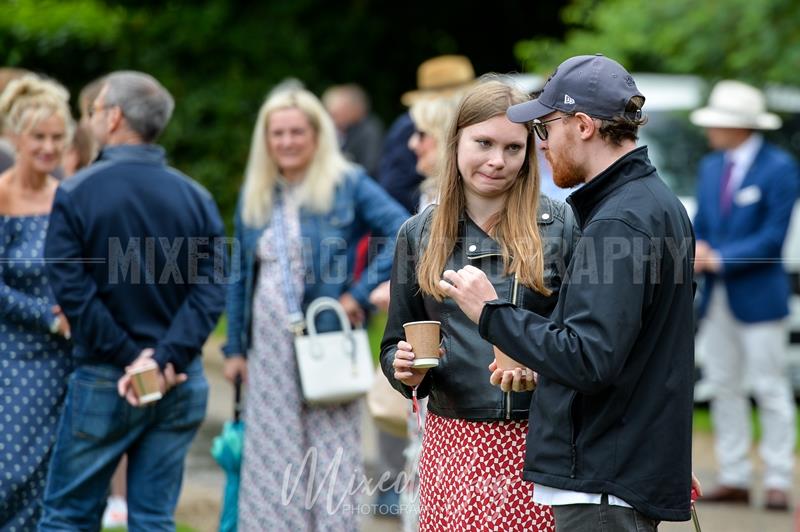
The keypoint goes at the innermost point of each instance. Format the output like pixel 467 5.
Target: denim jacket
pixel 360 206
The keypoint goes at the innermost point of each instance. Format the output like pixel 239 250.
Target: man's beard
pixel 566 174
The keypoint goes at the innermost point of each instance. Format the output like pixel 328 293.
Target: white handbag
pixel 335 367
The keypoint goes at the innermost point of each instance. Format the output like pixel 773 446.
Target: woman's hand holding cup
pixel 403 365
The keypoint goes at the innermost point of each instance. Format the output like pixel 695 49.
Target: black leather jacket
pixel 459 387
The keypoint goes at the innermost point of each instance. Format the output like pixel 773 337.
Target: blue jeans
pixel 97 427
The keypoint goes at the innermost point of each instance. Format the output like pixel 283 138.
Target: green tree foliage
pixel 219 58
pixel 755 41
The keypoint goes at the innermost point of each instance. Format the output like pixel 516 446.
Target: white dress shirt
pixel 556 497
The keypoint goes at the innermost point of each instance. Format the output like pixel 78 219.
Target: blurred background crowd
pixel 367 65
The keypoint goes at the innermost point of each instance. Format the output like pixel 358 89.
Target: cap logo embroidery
pixel 568 100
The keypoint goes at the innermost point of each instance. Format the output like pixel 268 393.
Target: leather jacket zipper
pixel 514 301
pixel 514 288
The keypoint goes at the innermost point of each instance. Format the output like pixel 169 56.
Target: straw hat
pixel 733 104
pixel 439 76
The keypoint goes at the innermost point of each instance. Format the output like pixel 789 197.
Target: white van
pixel 676 147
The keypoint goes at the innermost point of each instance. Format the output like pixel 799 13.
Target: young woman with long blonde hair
pixel 490 214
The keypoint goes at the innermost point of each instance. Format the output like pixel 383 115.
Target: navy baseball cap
pixel 591 84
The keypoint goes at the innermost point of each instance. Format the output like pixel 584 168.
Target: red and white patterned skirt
pixel 470 478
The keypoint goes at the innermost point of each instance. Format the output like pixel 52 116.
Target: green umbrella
pixel 227 451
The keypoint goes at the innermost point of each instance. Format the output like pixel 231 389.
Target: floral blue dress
pixel 34 366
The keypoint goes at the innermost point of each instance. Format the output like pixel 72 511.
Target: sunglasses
pixel 540 127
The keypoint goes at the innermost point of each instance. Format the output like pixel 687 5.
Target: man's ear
pixel 586 125
pixel 114 118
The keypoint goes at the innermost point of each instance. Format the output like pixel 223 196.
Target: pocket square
pixel 747 196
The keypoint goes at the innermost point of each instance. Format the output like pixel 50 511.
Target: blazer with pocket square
pixel 750 237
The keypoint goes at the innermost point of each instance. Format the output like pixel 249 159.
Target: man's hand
pixel 706 259
pixel 167 379
pixel 513 380
pixel 354 311
pixel 469 288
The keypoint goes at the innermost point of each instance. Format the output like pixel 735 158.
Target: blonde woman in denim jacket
pixel 327 205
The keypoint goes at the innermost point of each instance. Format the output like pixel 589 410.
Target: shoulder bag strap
pixel 296 318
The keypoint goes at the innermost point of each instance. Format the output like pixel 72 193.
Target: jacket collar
pixel 142 153
pixel 477 243
pixel 633 165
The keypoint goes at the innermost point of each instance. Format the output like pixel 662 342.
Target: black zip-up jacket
pixel 459 387
pixel 613 409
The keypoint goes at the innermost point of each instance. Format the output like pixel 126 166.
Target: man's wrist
pixel 488 308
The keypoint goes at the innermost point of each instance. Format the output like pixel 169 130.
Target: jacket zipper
pixel 514 287
pixel 573 445
pixel 513 301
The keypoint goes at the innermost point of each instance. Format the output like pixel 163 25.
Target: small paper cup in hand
pixel 504 361
pixel 144 379
pixel 425 342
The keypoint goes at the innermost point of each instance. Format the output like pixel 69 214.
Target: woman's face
pixel 490 155
pixel 41 146
pixel 291 142
pixel 425 147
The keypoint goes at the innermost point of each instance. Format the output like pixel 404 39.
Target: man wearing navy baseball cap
pixel 611 421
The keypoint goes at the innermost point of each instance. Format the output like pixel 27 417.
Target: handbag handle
pixel 325 303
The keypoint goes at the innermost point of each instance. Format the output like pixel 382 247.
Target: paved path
pixel 204 481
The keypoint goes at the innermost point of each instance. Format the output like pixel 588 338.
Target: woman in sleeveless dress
pixel 34 351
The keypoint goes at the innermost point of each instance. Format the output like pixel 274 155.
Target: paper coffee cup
pixel 425 341
pixel 504 361
pixel 144 379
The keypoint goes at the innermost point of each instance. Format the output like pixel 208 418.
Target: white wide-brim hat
pixel 733 104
